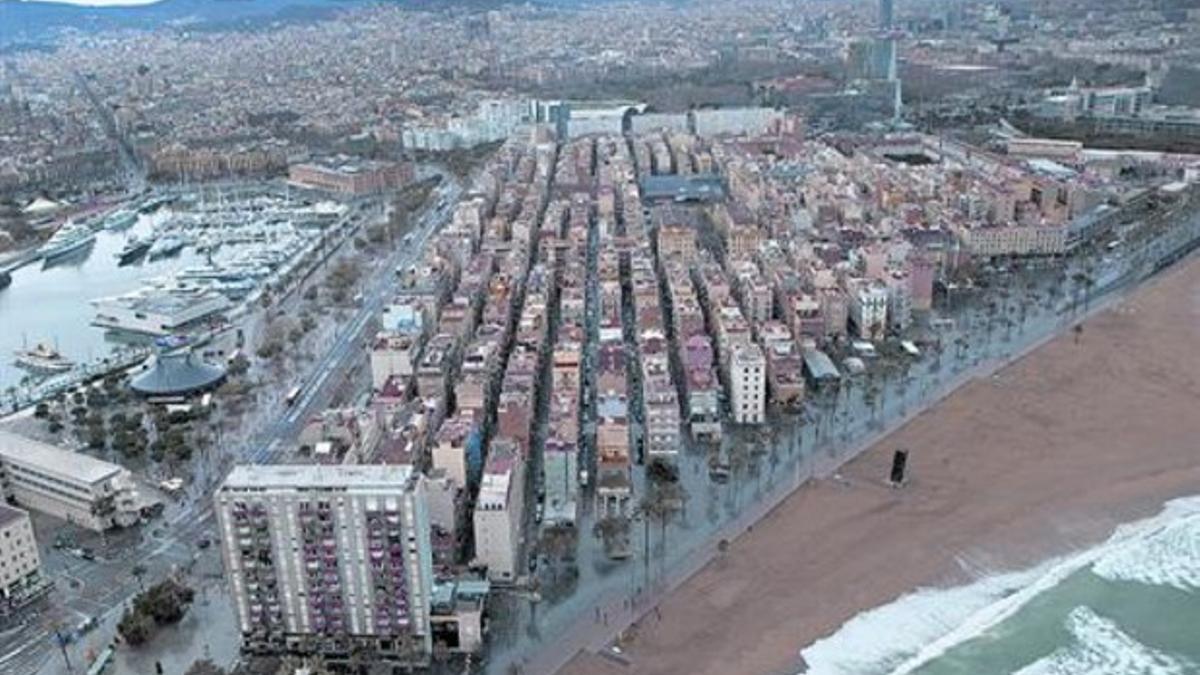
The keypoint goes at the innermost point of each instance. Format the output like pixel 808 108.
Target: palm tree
pixel 139 573
pixel 609 528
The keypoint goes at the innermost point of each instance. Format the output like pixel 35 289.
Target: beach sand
pixel 1045 458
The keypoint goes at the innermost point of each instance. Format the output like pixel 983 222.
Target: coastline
pixel 1007 472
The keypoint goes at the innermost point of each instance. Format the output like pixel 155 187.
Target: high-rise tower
pixel 328 560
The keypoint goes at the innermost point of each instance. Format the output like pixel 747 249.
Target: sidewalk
pixel 595 630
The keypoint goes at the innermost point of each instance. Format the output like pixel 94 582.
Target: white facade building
pixel 156 312
pixel 329 559
pixel 69 485
pixel 736 121
pixel 748 384
pixel 20 566
pixel 868 308
pixel 499 512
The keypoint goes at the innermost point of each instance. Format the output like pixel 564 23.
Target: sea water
pixel 1128 606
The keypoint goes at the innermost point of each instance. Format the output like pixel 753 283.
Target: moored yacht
pixel 43 359
pixel 69 238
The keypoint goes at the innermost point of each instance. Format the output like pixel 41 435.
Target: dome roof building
pixel 177 371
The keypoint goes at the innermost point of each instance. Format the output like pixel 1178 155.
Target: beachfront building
pixel 21 579
pixel 329 560
pixel 994 241
pixel 499 512
pixel 74 487
pixel 747 384
pixel 868 304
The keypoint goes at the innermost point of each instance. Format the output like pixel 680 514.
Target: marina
pixel 159 267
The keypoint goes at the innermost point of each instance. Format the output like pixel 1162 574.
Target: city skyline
pixel 514 338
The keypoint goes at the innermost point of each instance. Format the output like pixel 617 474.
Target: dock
pixel 19 398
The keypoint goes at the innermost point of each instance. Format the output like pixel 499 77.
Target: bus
pixel 101 662
pixel 292 396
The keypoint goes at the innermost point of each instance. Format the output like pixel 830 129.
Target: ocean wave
pixel 1102 648
pixel 878 640
pixel 1169 556
pixel 925 624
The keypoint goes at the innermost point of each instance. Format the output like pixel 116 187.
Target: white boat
pixel 119 220
pixel 167 245
pixel 43 359
pixel 134 249
pixel 70 237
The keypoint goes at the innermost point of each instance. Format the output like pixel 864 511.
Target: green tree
pixel 135 628
pixel 204 667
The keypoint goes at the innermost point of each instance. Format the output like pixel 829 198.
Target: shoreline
pixel 994 599
pixel 763 604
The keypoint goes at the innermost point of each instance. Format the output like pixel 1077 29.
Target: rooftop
pixel 300 476
pixel 177 373
pixel 54 460
pixel 10 515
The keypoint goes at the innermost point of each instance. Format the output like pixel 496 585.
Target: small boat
pixel 70 237
pixel 155 203
pixel 134 250
pixel 167 245
pixel 121 219
pixel 43 359
pixel 5 280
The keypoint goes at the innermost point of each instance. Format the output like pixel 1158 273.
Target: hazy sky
pixel 105 3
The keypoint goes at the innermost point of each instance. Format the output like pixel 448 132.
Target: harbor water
pixel 51 303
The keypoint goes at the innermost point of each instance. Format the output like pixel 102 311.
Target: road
pixel 102 588
pixel 347 346
pixel 606 601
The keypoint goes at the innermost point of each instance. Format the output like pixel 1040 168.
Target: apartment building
pixel 747 384
pixel 1015 240
pixel 560 471
pixel 329 561
pixel 499 512
pixel 392 354
pixel 453 446
pixel 21 579
pixel 68 485
pixel 868 305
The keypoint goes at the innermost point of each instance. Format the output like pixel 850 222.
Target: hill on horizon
pixel 34 24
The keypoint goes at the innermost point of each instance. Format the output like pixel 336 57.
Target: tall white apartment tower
pixel 329 560
pixel 748 384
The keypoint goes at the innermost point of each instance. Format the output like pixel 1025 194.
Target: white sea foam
pixel 1102 648
pixel 1169 556
pixel 906 634
pixel 879 639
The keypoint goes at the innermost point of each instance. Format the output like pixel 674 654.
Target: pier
pixel 17 398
